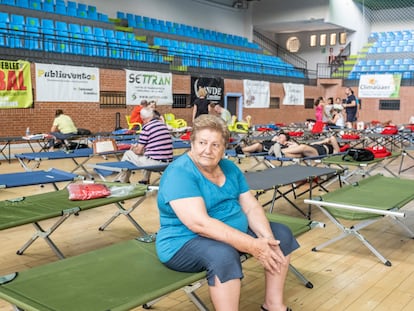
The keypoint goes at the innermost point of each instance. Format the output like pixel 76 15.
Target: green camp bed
pixel 118 277
pixel 33 209
pixel 364 203
pixel 361 168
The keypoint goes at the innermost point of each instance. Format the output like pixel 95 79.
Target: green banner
pixel 15 84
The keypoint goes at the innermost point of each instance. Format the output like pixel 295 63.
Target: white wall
pixel 191 12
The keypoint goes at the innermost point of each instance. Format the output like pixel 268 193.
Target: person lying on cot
pixel 208 217
pixel 324 147
pixel 264 146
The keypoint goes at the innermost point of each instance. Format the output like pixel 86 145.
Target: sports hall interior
pixel 233 40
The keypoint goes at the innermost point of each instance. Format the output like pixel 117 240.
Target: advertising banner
pixel 148 85
pixel 379 86
pixel 294 94
pixel 15 84
pixel 60 83
pixel 256 94
pixel 214 87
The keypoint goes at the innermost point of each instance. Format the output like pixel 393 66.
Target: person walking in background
pixel 351 108
pixel 63 128
pixel 200 105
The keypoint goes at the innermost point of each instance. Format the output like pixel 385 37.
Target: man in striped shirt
pixel 154 146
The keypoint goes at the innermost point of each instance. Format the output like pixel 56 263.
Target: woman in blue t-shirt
pixel 208 217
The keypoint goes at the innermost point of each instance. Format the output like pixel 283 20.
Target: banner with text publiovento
pixel 148 85
pixel 60 83
pixel 15 84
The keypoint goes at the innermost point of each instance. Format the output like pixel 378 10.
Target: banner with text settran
pixel 148 85
pixel 15 84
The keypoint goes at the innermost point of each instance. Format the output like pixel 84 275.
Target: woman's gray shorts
pixel 220 259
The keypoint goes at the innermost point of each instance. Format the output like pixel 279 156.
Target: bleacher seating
pixel 58 36
pixel 389 52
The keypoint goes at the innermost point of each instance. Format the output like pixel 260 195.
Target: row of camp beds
pixel 351 168
pixel 128 274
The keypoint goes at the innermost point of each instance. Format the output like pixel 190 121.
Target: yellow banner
pixel 15 84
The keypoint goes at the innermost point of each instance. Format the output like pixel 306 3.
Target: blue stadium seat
pixel 120 15
pixel 60 8
pixel 35 5
pixel 90 42
pixel 82 13
pixel 17 19
pixel 4 28
pixel 48 6
pixel 103 17
pixel 22 3
pixel 92 13
pixel 9 2
pixel 100 42
pixel 32 39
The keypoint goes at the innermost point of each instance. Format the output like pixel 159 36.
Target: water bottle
pixel 27 131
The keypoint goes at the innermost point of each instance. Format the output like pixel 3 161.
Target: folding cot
pixel 85 153
pixel 36 208
pixel 366 201
pixel 361 168
pixel 258 157
pixel 6 142
pixel 406 154
pixel 118 277
pixel 292 176
pixel 50 176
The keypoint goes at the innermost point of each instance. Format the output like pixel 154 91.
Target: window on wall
pixel 180 100
pixel 309 102
pixel 332 39
pixel 342 38
pixel 112 99
pixel 274 102
pixel 389 104
pixel 322 39
pixel 293 44
pixel 312 40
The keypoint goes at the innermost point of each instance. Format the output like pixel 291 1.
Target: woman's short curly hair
pixel 211 122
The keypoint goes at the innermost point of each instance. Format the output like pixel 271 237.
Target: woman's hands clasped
pixel 268 252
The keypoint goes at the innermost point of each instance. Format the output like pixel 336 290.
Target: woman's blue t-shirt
pixel 182 179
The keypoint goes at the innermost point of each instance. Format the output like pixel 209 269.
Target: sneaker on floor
pixel 144 182
pixel 239 150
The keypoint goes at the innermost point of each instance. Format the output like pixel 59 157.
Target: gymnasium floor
pixel 345 275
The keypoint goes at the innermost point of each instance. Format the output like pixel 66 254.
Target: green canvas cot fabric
pixel 25 210
pixel 337 159
pixel 297 225
pixel 379 192
pixel 105 279
pixel 116 278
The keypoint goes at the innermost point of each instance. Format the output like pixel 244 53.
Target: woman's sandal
pixel 264 309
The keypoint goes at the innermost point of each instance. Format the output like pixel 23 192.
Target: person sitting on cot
pixel 208 217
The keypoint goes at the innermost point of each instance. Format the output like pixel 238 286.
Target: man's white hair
pixel 147 113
